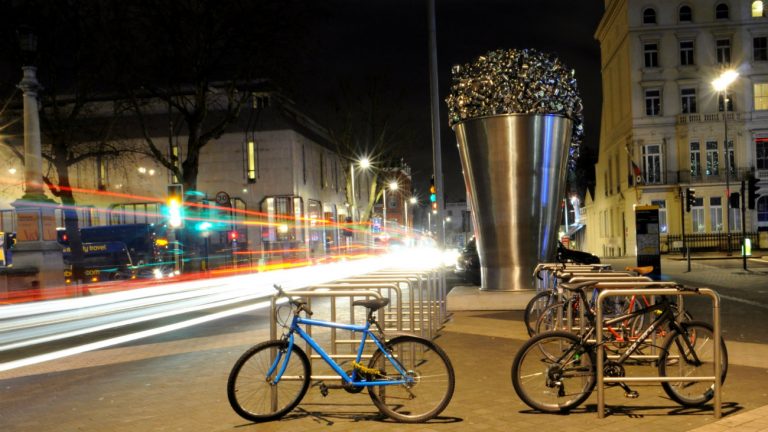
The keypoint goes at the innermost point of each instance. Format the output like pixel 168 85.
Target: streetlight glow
pixel 365 163
pixel 393 185
pixel 724 80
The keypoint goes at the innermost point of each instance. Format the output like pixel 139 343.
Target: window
pixel 686 14
pixel 735 219
pixel 761 147
pixel 688 100
pixel 652 163
pixel 662 204
pixel 686 53
pixel 723 47
pixel 713 164
pixel 731 161
pixel 720 103
pixel 651 55
pixel 721 11
pixel 649 16
pixel 652 102
pixel 695 159
pixel 251 162
pixel 760 48
pixel 762 209
pixel 102 178
pixel 715 214
pixel 761 96
pixel 757 9
pixel 697 215
pixel 322 171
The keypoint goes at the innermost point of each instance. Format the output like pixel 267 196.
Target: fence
pixel 710 241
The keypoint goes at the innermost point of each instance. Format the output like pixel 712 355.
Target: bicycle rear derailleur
pixel 616 370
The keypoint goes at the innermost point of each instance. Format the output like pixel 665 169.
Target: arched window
pixel 649 16
pixel 686 14
pixel 757 9
pixel 721 11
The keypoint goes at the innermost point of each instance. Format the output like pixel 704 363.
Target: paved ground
pixel 176 382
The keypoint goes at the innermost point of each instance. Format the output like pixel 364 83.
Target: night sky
pixel 352 40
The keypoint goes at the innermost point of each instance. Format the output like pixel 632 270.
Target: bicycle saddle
pixel 576 286
pixel 640 270
pixel 372 304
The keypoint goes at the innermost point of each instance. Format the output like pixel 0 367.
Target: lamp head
pixel 724 80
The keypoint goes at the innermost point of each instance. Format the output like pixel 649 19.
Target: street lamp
pixel 364 164
pixel 721 84
pixel 393 187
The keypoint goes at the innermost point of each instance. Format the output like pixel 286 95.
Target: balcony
pixel 718 117
pixel 736 176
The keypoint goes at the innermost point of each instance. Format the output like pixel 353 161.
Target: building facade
pixel 285 183
pixel 664 125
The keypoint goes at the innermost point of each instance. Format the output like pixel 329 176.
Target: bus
pixel 147 251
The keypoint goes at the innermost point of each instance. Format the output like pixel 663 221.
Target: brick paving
pixel 176 382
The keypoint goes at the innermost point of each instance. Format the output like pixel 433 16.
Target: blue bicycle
pixel 409 379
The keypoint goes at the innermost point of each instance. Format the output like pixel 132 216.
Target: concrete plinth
pixel 471 298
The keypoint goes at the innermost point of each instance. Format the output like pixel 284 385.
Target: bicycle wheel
pixel 535 307
pixel 691 354
pixel 555 317
pixel 250 389
pixel 554 372
pixel 429 393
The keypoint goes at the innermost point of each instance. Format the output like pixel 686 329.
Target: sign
pixel 222 198
pixel 28 226
pixel 49 227
pixel 647 238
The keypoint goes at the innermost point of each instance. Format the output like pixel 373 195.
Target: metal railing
pixel 717 241
pixel 716 378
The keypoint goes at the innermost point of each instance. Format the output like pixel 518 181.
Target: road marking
pixel 741 300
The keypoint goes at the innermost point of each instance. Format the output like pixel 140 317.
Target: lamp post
pixel 364 164
pixel 411 201
pixel 721 84
pixel 393 187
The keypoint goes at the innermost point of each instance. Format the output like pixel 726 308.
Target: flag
pixel 638 175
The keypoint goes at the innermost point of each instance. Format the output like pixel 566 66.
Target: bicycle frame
pixel 366 333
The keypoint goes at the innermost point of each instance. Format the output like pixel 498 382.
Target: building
pixel 664 126
pixel 278 168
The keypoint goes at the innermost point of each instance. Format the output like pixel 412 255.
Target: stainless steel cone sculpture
pixel 518 118
pixel 514 169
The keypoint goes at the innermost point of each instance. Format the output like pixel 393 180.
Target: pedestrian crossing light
pixel 690 199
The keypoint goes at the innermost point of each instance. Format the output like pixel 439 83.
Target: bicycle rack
pixel 601 379
pixel 547 272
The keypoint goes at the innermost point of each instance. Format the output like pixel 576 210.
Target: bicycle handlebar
pixel 300 305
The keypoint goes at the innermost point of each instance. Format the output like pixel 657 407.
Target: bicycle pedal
pixel 323 390
pixel 631 395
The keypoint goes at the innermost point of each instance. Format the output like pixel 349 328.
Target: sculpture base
pixel 471 298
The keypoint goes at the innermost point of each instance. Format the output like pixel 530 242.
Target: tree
pixel 202 66
pixel 370 124
pixel 74 127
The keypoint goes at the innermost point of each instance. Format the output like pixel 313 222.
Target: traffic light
pixel 175 201
pixel 690 199
pixel 433 193
pixel 233 235
pixel 434 206
pixel 752 192
pixel 734 200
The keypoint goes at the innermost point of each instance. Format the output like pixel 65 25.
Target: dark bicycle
pixel 555 371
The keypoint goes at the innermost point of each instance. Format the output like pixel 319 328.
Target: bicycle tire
pixel 430 393
pixel 554 317
pixel 695 393
pixel 250 391
pixel 535 307
pixel 542 366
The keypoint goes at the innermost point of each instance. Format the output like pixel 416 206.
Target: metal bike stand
pixel 310 294
pixel 601 379
pixel 408 307
pixel 605 278
pixel 343 286
pixel 428 285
